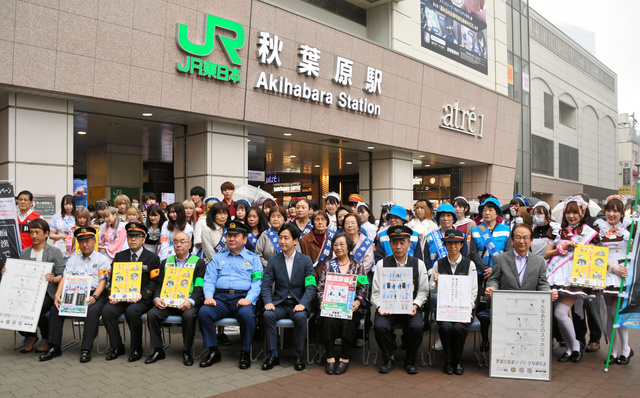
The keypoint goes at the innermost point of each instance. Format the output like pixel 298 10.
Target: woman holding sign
pixel 453 334
pixel 614 234
pixel 332 328
pixel 574 231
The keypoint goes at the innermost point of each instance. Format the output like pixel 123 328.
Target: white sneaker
pixel 438 345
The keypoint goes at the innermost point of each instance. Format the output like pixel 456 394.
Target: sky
pixel 616 38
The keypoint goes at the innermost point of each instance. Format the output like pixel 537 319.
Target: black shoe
pixel 622 360
pixel 213 357
pixel 411 368
pixel 612 360
pixel 245 360
pixel 85 356
pixel 157 355
pixel 330 369
pixel 341 368
pixel 576 356
pixel 564 357
pixel 187 358
pixel 54 351
pixel 387 366
pixel 299 363
pixel 270 362
pixel 459 370
pixel 114 352
pixel 136 354
pixel 448 369
pixel 223 339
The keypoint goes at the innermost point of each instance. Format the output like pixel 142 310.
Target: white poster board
pixel 454 298
pixel 396 290
pixel 521 335
pixel 22 291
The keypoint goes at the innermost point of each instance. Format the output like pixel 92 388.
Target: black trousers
pixel 133 314
pixel 284 310
pixel 453 336
pixel 332 328
pixel 412 328
pixel 56 322
pixel 156 316
pixel 43 321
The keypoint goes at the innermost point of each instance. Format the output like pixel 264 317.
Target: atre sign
pixel 462 121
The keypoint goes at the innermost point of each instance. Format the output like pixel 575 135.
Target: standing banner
pixel 177 284
pixel 22 291
pixel 589 266
pixel 454 298
pixel 75 293
pixel 339 293
pixel 10 243
pixel 396 290
pixel 521 335
pixel 126 280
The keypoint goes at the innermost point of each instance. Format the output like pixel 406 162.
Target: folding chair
pixel 234 322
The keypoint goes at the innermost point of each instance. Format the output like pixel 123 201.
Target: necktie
pixel 134 258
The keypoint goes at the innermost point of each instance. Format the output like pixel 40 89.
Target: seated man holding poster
pixel 86 263
pixel 180 293
pixel 41 251
pixel 453 334
pixel 399 295
pixel 288 287
pixel 132 308
pixel 231 288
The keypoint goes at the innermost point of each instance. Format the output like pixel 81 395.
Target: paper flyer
pixel 125 283
pixel 589 266
pixel 22 291
pixel 75 293
pixel 396 290
pixel 339 293
pixel 176 286
pixel 454 298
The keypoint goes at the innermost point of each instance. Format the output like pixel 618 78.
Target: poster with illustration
pixel 339 293
pixel 176 286
pixel 589 266
pixel 125 282
pixel 396 290
pixel 75 293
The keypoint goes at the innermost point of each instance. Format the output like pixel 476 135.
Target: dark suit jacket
pixel 276 272
pixel 50 255
pixel 150 262
pixel 197 294
pixel 505 273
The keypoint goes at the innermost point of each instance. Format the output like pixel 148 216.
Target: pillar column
pixel 36 144
pixel 209 154
pixel 392 178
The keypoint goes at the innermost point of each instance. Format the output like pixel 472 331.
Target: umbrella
pixel 250 193
pixel 598 309
pixel 533 201
pixel 556 213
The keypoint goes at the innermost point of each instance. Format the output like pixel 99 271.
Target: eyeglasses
pixel 180 242
pixel 524 238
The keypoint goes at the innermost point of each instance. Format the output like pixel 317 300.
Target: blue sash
pixel 333 265
pixel 306 229
pixel 487 238
pixel 252 239
pixel 362 249
pixel 275 240
pixel 222 242
pixel 436 237
pixel 327 249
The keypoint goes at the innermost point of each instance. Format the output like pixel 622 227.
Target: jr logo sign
pixel 230 46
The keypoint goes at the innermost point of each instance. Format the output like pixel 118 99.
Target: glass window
pixel 569 162
pixel 509 34
pixel 524 36
pixel 567 114
pixel 541 155
pixel 516 32
pixel 548 110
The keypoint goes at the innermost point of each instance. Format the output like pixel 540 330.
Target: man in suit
pixel 187 308
pixel 231 288
pixel 291 277
pixel 132 309
pixel 519 269
pixel 40 251
pixel 86 263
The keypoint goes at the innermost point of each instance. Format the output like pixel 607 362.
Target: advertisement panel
pixel 456 29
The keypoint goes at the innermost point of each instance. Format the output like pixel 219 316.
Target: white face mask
pixel 519 220
pixel 91 214
pixel 513 211
pixel 134 205
pixel 539 220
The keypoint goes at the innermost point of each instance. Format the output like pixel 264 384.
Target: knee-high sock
pixel 566 327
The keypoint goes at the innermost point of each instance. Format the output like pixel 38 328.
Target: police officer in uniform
pixel 400 237
pixel 232 286
pixel 133 309
pixel 86 263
